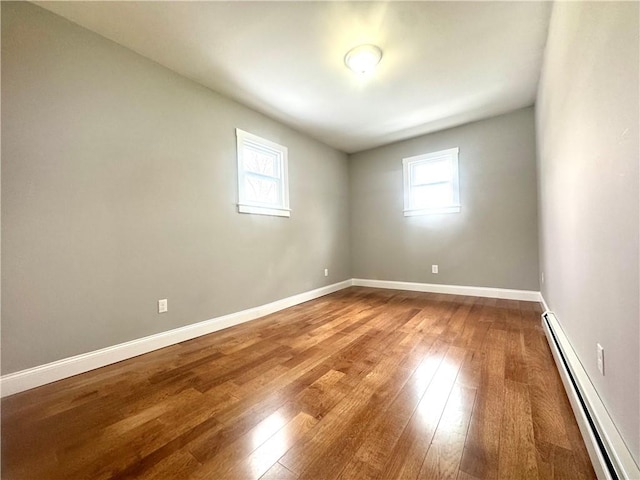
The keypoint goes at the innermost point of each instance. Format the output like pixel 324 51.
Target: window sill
pixel 432 211
pixel 277 212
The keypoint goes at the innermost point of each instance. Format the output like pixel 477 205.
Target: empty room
pixel 320 240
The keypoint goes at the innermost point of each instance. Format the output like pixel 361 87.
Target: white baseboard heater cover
pixel 610 456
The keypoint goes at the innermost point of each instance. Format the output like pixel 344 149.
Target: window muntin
pixel 263 186
pixel 431 183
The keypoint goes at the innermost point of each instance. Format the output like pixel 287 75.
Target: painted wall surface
pixel 587 122
pixel 119 188
pixel 492 242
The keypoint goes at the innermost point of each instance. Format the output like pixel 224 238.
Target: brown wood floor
pixel 363 383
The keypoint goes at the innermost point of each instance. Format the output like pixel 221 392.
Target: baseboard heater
pixel 609 455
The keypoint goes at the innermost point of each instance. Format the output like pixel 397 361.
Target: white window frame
pixel 451 155
pixel 281 209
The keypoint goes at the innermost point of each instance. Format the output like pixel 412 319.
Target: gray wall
pixel 492 242
pixel 587 122
pixel 119 188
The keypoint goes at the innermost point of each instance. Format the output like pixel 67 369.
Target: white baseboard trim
pixel 67 367
pixel 489 292
pixel 609 454
pixel 545 307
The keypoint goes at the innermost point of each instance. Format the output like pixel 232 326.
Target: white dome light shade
pixel 363 59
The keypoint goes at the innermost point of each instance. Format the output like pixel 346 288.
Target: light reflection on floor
pixel 267 428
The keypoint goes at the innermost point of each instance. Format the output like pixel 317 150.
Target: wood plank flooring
pixel 361 384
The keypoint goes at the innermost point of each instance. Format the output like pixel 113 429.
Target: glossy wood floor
pixel 363 383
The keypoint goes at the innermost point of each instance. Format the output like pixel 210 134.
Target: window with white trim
pixel 431 183
pixel 263 182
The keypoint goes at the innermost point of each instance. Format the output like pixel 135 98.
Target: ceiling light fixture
pixel 363 58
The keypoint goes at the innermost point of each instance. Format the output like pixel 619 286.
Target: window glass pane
pixel 262 190
pixel 432 196
pixel 258 161
pixel 431 172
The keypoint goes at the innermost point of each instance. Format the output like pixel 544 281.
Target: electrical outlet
pixel 542 277
pixel 326 272
pixel 162 305
pixel 600 358
pixel 434 268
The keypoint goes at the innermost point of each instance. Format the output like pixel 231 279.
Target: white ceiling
pixel 444 63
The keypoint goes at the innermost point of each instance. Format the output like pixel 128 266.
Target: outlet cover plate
pixel 163 306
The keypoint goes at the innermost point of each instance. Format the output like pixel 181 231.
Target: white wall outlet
pixel 542 277
pixel 326 272
pixel 600 358
pixel 434 268
pixel 162 305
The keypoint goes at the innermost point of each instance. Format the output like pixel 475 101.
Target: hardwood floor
pixel 363 383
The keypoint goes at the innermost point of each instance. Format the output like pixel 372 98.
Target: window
pixel 431 183
pixel 263 183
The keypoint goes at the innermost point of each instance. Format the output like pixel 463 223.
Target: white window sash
pixel 451 155
pixel 281 206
